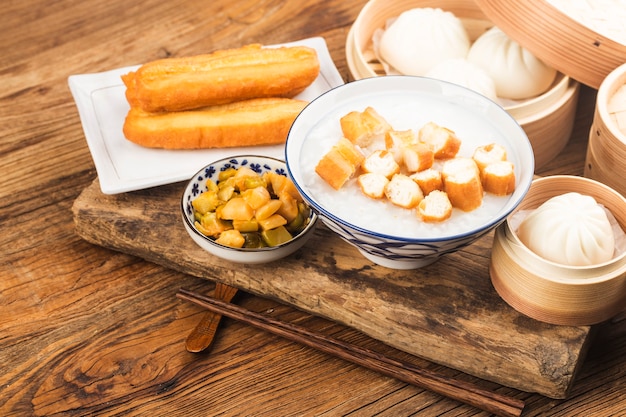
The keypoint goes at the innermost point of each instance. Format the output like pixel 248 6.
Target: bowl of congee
pixel 408 169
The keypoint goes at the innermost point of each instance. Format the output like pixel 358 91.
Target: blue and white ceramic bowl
pixel 387 235
pixel 197 185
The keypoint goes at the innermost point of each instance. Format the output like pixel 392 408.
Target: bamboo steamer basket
pixel 585 40
pixel 547 119
pixel 606 151
pixel 552 292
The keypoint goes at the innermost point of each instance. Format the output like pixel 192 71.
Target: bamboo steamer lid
pixel 583 39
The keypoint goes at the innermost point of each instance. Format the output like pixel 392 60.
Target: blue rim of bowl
pixel 512 204
pixel 312 218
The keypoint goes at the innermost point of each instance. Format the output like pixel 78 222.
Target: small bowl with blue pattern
pixel 257 255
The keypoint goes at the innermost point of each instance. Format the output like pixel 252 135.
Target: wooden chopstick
pixel 461 391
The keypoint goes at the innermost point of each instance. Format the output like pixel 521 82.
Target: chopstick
pixel 458 390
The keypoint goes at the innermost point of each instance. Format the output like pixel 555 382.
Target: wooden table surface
pixel 89 331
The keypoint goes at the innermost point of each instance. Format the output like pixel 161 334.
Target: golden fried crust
pixel 226 76
pixel 253 122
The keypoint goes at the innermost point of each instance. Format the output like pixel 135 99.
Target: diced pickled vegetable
pixel 281 184
pixel 256 197
pixel 206 202
pixel 246 178
pixel 289 206
pixel 225 193
pixel 276 236
pixel 253 241
pixel 231 238
pixel 211 185
pixel 296 223
pixel 301 220
pixel 236 209
pixel 268 209
pixel 251 225
pixel 210 225
pixel 226 174
pixel 276 181
pixel 252 182
pixel 226 183
pixel 272 222
pixel 304 209
pixel 290 187
pixel 244 172
pixel 246 209
pixel 202 229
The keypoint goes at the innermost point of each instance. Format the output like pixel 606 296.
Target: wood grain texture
pixel 447 312
pixel 458 390
pixel 85 330
pixel 203 335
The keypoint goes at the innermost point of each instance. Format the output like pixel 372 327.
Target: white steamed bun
pixel 464 73
pixel 517 73
pixel 570 229
pixel 421 38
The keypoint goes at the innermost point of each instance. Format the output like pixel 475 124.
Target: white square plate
pixel 125 166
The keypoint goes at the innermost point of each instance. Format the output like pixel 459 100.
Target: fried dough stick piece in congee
pixel 226 76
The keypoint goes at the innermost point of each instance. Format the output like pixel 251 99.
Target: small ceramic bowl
pixel 547 119
pixel 197 185
pixel 391 236
pixel 553 292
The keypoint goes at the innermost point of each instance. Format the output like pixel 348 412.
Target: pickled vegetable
pixel 236 209
pixel 231 238
pixel 244 209
pixel 289 206
pixel 253 241
pixel 267 209
pixel 243 226
pixel 276 236
pixel 211 225
pixel 256 197
pixel 300 220
pixel 272 222
pixel 206 202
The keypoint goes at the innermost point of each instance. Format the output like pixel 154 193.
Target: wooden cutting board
pixel 447 312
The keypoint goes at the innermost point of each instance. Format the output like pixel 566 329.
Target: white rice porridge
pixel 403 112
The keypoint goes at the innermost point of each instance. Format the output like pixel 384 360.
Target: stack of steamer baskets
pixel 606 152
pixel 586 43
pixel 539 26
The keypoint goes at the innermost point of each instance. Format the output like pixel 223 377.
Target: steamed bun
pixel 464 73
pixel 421 38
pixel 517 73
pixel 570 229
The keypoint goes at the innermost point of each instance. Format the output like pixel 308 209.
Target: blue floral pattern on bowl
pixel 258 164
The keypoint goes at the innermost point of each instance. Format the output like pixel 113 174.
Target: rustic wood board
pixel 447 312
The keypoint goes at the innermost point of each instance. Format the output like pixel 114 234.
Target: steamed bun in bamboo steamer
pixel 553 292
pixel 517 73
pixel 570 229
pixel 421 38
